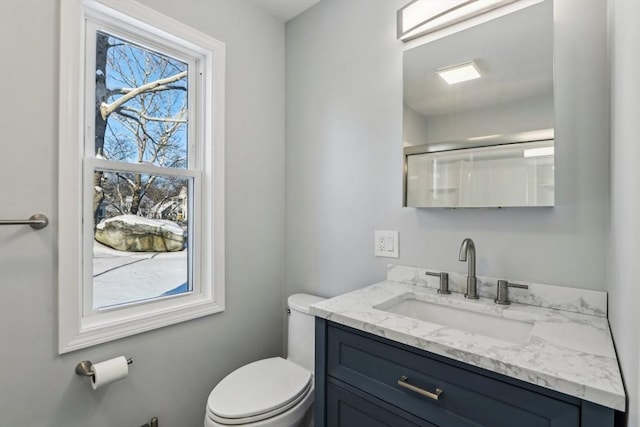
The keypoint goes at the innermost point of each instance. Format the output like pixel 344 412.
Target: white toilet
pixel 272 392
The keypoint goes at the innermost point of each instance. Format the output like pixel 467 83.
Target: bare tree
pixel 140 113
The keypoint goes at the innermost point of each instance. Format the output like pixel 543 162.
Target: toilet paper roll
pixel 109 371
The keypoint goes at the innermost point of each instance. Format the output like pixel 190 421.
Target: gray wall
pixel 625 193
pixel 535 112
pixel 343 160
pixel 175 367
pixel 531 113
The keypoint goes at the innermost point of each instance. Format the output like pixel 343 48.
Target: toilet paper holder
pixel 84 368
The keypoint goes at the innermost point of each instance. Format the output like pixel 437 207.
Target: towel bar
pixel 36 221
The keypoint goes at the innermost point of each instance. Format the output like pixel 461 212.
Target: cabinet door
pixel 346 409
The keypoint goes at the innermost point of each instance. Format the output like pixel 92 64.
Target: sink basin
pixel 494 326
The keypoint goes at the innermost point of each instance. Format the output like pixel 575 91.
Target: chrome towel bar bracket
pixel 36 221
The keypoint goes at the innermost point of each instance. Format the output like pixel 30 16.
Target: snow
pixel 123 277
pixel 138 220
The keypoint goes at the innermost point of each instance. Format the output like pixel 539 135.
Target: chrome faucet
pixel 469 249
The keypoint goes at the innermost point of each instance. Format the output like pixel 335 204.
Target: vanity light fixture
pixel 460 73
pixel 422 17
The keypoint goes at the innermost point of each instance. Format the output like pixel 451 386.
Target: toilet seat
pixel 258 391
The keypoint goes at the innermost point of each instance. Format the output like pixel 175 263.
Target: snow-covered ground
pixel 122 277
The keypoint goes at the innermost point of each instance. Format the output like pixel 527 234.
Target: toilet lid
pixel 258 390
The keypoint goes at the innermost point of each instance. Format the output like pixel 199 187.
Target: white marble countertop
pixel 568 352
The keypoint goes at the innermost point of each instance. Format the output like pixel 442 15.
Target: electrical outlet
pixel 386 244
pixel 380 242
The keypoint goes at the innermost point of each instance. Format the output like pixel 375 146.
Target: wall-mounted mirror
pixel 488 141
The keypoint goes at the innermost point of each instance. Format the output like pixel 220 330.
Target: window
pixel 141 173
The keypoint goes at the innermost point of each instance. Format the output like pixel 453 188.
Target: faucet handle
pixel 444 281
pixel 502 293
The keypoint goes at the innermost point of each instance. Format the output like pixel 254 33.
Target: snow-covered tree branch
pixel 107 109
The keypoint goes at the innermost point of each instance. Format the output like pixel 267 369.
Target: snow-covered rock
pixel 133 233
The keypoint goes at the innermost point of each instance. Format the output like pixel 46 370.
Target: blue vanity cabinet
pixel 364 380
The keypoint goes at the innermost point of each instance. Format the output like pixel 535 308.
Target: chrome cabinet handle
pixel 403 382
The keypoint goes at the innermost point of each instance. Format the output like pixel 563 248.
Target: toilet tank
pixel 301 326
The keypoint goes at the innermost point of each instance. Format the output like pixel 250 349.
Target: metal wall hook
pixel 36 221
pixel 84 368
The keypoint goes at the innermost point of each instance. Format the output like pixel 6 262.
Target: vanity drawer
pixel 347 407
pixel 467 398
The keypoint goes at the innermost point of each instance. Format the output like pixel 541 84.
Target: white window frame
pixel 79 325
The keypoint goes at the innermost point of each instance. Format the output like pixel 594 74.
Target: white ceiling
pixel 284 10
